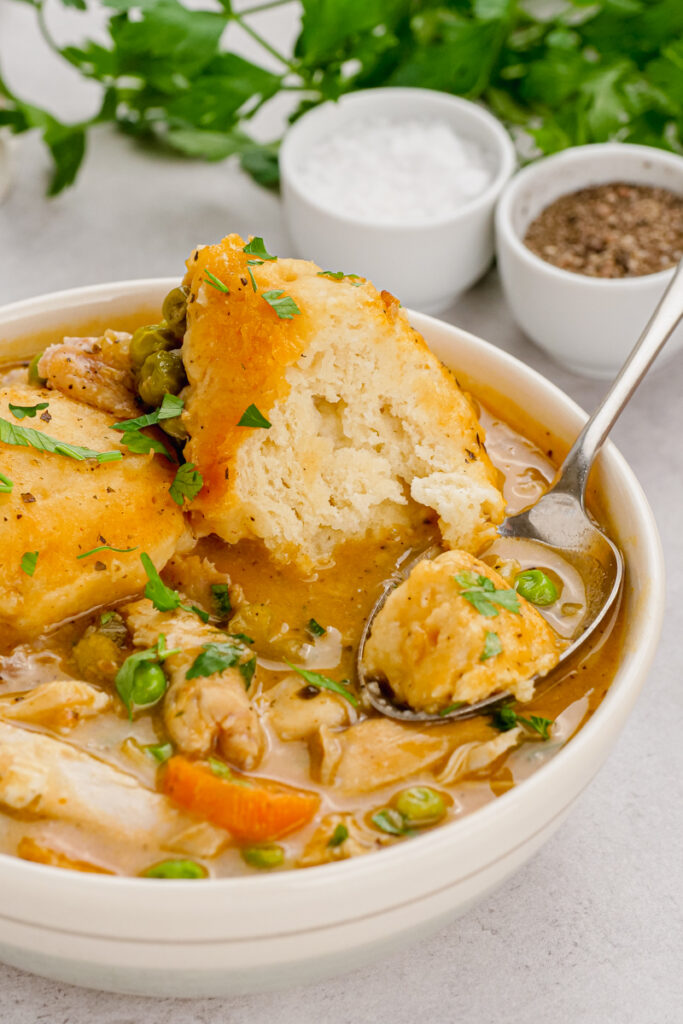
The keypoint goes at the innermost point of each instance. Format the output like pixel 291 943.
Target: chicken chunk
pixel 206 712
pixel 49 778
pixel 456 631
pixel 59 704
pixel 61 508
pixel 295 713
pixel 96 371
pixel 374 753
pixel 468 758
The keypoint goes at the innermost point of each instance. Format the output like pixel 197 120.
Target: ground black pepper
pixel 613 230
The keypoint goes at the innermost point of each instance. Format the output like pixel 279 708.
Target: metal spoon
pixel 559 519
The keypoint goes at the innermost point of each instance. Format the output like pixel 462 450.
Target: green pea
pixel 176 869
pixel 174 309
pixel 162 373
pixel 149 684
pixel 150 339
pixel 33 375
pixel 263 855
pixel 536 586
pixel 420 805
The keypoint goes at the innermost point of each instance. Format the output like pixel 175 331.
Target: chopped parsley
pixel 125 677
pixel 340 834
pixel 164 598
pixel 220 768
pixel 22 411
pixel 506 718
pixel 492 647
pixel 338 275
pixel 325 683
pixel 29 560
pixel 6 485
pixel 250 264
pixel 217 657
pixel 315 629
pixel 28 437
pixel 105 547
pixel 482 594
pixel 452 707
pixel 220 592
pixel 284 305
pixel 140 443
pixel 251 417
pixel 257 248
pixel 187 483
pixel 216 282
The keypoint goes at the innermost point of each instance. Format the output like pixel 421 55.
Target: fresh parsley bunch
pixel 558 72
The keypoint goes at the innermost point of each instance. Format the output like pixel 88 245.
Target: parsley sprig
pixel 322 682
pixel 29 437
pixel 217 657
pixel 506 718
pixel 482 594
pixel 165 599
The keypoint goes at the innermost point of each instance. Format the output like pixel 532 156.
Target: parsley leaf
pixel 257 248
pixel 339 275
pixel 492 647
pixel 28 437
pixel 22 411
pixel 506 718
pixel 284 305
pixel 482 594
pixel 164 598
pixel 125 677
pixel 170 407
pixel 216 282
pixel 340 835
pixel 187 483
pixel 159 751
pixel 217 657
pixel 452 707
pixel 325 683
pixel 6 485
pixel 29 560
pixel 105 547
pixel 251 417
pixel 315 628
pixel 220 592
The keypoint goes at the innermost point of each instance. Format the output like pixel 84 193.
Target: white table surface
pixel 592 929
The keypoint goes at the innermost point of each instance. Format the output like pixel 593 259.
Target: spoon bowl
pixel 557 521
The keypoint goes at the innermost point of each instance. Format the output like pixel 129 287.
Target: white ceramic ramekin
pixel 218 937
pixel 427 264
pixel 588 323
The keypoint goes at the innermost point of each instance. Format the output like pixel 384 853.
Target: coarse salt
pixel 393 172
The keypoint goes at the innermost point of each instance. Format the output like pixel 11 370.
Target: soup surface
pixel 406 780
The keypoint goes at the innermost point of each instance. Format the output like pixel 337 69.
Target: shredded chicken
pixel 326 845
pixel 47 777
pixel 207 712
pixel 472 757
pixel 295 713
pixel 59 704
pixel 96 371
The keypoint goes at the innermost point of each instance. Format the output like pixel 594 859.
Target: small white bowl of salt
pixel 397 185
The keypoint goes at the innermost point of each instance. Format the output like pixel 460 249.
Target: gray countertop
pixel 592 929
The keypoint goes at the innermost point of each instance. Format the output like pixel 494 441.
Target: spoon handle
pixel 576 467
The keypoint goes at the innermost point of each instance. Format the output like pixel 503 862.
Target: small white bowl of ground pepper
pixel 587 241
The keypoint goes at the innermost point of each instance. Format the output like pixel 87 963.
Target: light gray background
pixel 591 930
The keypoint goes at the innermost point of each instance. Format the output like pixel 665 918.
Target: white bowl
pixel 428 264
pixel 218 937
pixel 589 324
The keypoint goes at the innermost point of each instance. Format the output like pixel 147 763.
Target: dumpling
pixel 361 428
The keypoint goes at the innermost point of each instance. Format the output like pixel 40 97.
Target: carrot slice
pixel 254 810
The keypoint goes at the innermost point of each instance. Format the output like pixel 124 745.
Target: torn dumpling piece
pixel 353 427
pixel 456 631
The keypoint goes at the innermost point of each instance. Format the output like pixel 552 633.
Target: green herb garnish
pixel 171 406
pixel 215 282
pixel 492 647
pixel 164 598
pixel 160 751
pixel 6 485
pixel 284 305
pixel 339 275
pixel 187 483
pixel 315 629
pixel 125 677
pixel 217 657
pixel 325 683
pixel 251 417
pixel 28 437
pixel 340 834
pixel 105 547
pixel 220 768
pixel 22 411
pixel 29 560
pixel 482 594
pixel 220 593
pixel 257 248
pixel 452 707
pixel 391 821
pixel 505 719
